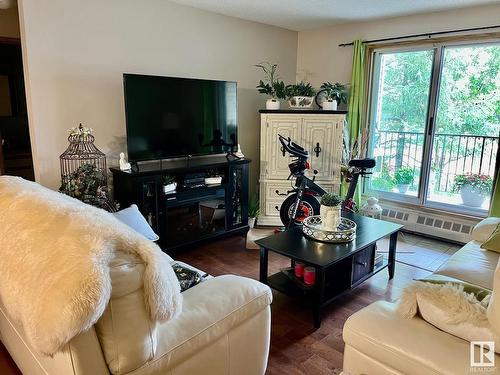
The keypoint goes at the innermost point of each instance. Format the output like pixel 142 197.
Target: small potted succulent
pixel 271 85
pixel 474 188
pixel 330 211
pixel 333 95
pixel 169 184
pixel 403 178
pixel 253 211
pixel 300 95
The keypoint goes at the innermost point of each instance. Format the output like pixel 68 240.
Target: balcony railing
pixel 452 154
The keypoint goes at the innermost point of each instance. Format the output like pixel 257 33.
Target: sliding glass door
pixel 434 122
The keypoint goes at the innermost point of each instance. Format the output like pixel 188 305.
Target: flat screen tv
pixel 169 117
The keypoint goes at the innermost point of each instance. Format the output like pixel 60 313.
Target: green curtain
pixel 356 104
pixel 495 199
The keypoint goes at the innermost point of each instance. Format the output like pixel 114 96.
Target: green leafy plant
pixel 335 91
pixel 253 207
pixel 87 183
pixel 482 183
pixel 383 181
pixel 403 176
pixel 300 89
pixel 330 199
pixel 271 84
pixel 168 179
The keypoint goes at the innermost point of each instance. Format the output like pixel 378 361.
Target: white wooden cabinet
pixel 319 132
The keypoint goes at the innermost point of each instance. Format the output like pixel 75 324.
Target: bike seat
pixel 362 163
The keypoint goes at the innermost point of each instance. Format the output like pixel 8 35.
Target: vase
pixel 251 222
pixel 329 106
pixel 330 217
pixel 301 102
pixel 272 104
pixel 403 188
pixel 170 188
pixel 471 197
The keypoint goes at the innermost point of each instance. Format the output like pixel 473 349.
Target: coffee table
pixel 339 267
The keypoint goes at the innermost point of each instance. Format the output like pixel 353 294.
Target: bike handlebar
pixel 293 148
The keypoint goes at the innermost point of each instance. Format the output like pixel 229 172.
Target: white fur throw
pixel 451 309
pixel 54 264
pixel 451 298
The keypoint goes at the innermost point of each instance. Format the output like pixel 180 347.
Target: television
pixel 170 117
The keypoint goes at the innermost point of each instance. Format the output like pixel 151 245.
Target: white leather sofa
pixel 224 328
pixel 380 342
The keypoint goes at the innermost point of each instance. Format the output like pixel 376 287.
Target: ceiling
pixel 306 14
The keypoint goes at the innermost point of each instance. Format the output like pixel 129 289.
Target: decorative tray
pixel 312 228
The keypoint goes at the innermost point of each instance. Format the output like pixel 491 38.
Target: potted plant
pixel 271 85
pixel 253 211
pixel 474 188
pixel 403 178
pixel 330 211
pixel 169 184
pixel 300 95
pixel 335 94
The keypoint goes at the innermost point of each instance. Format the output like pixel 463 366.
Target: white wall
pixel 9 23
pixel 319 54
pixel 76 51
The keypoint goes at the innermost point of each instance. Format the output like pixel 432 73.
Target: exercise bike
pixel 303 201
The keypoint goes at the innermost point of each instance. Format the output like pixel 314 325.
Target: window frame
pixel 438 47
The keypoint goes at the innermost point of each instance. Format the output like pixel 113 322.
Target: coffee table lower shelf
pixel 331 285
pixel 282 283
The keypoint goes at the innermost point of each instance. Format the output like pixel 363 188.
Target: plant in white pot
pixel 300 95
pixel 271 85
pixel 474 188
pixel 253 211
pixel 169 184
pixel 331 205
pixel 403 178
pixel 334 95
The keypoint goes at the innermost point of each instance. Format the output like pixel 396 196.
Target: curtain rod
pixel 429 35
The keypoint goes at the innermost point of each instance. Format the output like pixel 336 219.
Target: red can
pixel 309 275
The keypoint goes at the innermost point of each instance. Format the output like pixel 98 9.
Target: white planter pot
pixel 272 103
pixel 301 101
pixel 251 222
pixel 329 106
pixel 403 188
pixel 170 188
pixel 470 197
pixel 330 217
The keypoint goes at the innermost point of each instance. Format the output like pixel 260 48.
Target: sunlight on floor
pixel 419 251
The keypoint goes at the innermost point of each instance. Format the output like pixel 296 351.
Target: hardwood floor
pixel 296 347
pixel 7 365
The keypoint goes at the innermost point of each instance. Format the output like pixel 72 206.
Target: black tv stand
pixel 231 154
pixel 190 214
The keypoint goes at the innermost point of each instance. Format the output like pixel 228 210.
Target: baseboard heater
pixel 445 226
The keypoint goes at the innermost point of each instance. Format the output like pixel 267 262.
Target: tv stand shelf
pixel 191 214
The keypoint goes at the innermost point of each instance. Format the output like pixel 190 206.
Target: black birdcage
pixel 83 169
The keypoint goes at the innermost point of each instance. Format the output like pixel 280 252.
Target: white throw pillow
pixel 134 219
pixel 447 307
pixel 483 230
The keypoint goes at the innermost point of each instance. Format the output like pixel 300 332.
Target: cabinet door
pixel 273 164
pixel 321 139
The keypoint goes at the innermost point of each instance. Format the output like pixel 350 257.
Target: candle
pixel 299 270
pixel 309 275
